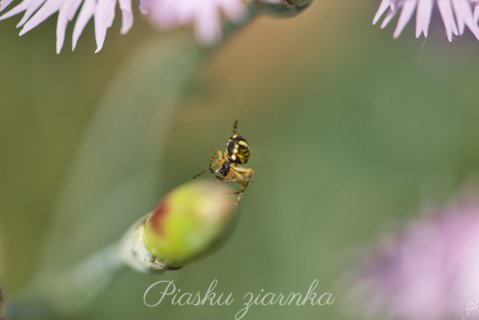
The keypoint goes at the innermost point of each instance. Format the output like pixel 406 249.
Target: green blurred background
pixel 351 132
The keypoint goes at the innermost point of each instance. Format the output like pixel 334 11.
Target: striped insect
pixel 227 165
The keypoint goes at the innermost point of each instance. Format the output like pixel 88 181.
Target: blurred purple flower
pixel 205 15
pixel 429 271
pixel 456 15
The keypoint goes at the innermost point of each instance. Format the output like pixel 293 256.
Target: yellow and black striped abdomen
pixel 238 149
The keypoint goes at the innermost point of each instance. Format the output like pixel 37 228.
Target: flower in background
pixel 205 15
pixel 456 15
pixel 429 271
pixel 102 11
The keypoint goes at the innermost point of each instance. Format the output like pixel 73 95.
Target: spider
pixel 227 169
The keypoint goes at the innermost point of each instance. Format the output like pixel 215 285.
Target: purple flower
pixel 428 271
pixel 102 11
pixel 456 15
pixel 205 15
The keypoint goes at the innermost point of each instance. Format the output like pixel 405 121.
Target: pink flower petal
pixel 465 17
pixel 4 4
pixel 406 14
pixel 49 8
pixel 383 7
pixel 66 14
pixel 205 15
pixel 445 8
pixel 30 11
pixel 22 6
pixel 457 5
pixel 207 25
pixel 86 13
pixel 424 12
pixel 390 15
pixel 144 4
pixel 104 15
pixel 476 13
pixel 234 11
pixel 127 16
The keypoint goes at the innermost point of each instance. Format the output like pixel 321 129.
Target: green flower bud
pixel 283 8
pixel 187 224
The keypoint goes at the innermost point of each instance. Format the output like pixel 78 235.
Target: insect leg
pixel 246 174
pixel 235 127
pixel 216 153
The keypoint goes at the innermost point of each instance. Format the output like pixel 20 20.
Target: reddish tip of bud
pixel 158 216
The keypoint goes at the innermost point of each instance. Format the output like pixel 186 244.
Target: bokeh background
pixel 351 132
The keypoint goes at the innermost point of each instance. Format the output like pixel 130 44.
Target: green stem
pixel 74 290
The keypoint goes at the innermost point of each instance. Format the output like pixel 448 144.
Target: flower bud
pixel 283 8
pixel 186 225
